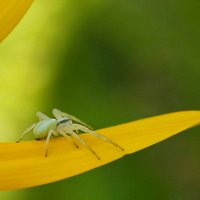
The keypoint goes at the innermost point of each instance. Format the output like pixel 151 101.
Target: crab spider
pixel 63 124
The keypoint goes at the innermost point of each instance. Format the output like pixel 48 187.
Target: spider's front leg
pixel 87 130
pixel 68 138
pixel 75 135
pixel 59 114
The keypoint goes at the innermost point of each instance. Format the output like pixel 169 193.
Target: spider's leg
pixel 82 141
pixel 26 131
pixel 47 141
pixel 68 138
pixel 59 113
pixel 85 129
pixel 106 139
pixel 41 116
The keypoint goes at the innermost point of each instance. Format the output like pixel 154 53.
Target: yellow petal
pixel 24 165
pixel 11 12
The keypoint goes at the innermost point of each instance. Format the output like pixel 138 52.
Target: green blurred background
pixel 108 62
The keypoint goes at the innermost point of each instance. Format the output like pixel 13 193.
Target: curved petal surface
pixel 11 12
pixel 24 165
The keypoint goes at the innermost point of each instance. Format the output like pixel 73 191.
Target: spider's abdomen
pixel 43 127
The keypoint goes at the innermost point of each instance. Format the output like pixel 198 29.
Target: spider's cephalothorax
pixel 63 125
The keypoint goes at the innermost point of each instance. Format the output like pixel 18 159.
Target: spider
pixel 63 124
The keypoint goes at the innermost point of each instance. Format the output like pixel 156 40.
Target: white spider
pixel 63 125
